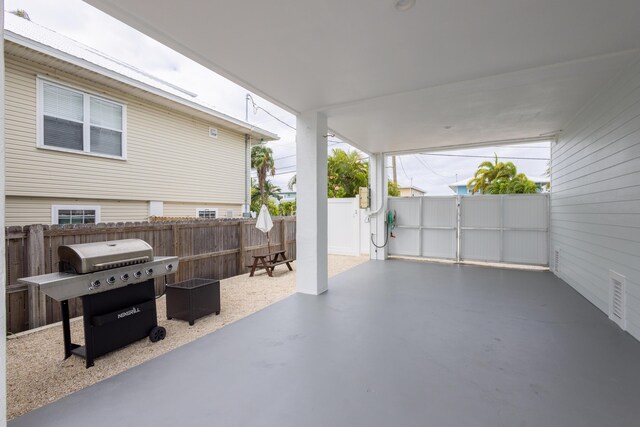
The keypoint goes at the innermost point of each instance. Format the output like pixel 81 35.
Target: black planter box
pixel 193 299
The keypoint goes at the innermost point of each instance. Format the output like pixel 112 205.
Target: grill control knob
pixel 169 267
pixel 95 284
pixel 137 274
pixel 124 277
pixel 149 271
pixel 111 280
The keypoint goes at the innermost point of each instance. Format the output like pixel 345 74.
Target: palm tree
pixel 270 190
pixel 520 184
pixel 489 172
pixel 264 164
pixel 293 181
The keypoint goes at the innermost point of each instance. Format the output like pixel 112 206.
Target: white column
pixel 311 204
pixel 3 285
pixel 378 183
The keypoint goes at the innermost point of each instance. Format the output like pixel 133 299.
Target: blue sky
pixel 81 22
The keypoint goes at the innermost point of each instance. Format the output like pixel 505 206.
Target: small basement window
pixel 209 213
pixel 75 214
pixel 74 121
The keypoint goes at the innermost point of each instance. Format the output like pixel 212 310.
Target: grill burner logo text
pixel 134 310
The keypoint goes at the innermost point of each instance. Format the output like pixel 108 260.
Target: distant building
pixel 460 187
pixel 287 196
pixel 411 191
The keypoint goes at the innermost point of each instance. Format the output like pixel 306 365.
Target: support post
pixel 3 266
pixel 311 185
pixel 377 214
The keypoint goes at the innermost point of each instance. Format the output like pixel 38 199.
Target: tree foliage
pixel 271 196
pixel 288 208
pixel 500 178
pixel 346 173
pixel 393 189
pixel 21 13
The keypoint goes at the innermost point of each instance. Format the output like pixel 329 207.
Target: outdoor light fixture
pixel 402 5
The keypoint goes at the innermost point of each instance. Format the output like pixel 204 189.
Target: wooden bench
pixel 269 261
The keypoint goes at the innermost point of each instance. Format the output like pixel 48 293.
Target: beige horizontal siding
pixel 37 210
pixel 189 209
pixel 169 154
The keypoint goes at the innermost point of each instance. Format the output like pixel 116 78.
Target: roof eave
pixel 233 123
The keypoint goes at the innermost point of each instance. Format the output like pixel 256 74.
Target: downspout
pixel 247 172
pixel 245 211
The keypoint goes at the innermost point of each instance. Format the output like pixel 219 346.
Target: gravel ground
pixel 37 375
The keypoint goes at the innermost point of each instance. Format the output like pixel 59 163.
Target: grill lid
pixel 90 257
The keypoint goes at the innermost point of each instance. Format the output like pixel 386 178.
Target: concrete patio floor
pixel 391 343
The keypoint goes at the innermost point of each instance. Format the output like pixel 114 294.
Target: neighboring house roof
pixel 413 188
pixel 46 41
pixel 537 179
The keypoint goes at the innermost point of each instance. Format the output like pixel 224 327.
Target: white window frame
pixel 86 135
pixel 198 210
pixel 55 209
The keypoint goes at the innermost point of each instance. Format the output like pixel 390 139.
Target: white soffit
pixel 391 81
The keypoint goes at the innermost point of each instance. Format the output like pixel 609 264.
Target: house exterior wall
pixel 37 210
pixel 170 156
pixel 595 197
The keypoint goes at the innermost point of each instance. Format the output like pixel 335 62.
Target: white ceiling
pixel 391 81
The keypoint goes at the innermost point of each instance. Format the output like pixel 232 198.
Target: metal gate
pixel 506 228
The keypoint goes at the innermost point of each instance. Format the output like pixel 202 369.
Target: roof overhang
pixel 442 74
pixel 25 48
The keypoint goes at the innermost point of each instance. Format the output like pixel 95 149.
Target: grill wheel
pixel 157 333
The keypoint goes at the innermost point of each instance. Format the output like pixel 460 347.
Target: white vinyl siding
pixel 170 155
pixel 79 122
pixel 595 198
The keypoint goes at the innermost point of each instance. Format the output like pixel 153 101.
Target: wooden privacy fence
pixel 214 249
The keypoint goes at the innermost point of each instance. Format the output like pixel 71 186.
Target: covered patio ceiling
pixel 442 74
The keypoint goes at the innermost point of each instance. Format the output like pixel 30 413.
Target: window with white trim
pixel 75 214
pixel 209 213
pixel 72 120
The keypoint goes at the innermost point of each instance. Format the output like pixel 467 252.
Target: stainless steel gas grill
pixel 115 281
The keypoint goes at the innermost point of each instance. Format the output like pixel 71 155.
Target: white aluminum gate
pixel 506 228
pixel 426 226
pixel 511 228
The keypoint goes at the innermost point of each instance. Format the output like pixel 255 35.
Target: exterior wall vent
pixel 213 132
pixel 556 261
pixel 617 299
